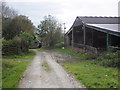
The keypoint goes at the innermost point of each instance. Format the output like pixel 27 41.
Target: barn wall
pixel 114 41
pixel 78 35
pixel 94 38
pixel 99 39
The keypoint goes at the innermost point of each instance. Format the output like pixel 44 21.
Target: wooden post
pixel 64 35
pixel 72 37
pixel 107 41
pixel 92 37
pixel 67 41
pixel 84 35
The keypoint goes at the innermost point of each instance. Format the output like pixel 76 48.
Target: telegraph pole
pixel 64 28
pixel 64 33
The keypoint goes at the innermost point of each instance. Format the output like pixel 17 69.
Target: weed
pixel 46 66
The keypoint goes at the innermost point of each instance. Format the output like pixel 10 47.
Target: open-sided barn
pixel 94 33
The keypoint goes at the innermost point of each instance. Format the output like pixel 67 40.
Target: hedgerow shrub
pixel 19 44
pixel 23 44
pixel 109 59
pixel 10 47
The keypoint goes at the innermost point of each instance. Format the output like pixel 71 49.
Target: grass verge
pixel 93 76
pixel 80 55
pixel 100 72
pixel 20 56
pixel 13 68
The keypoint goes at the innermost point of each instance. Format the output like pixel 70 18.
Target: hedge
pixel 15 46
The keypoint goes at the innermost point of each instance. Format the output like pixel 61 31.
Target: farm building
pixel 94 33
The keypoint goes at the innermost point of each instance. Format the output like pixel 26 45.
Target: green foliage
pixel 10 47
pixel 13 27
pixel 60 45
pixel 20 56
pixel 93 76
pixel 24 45
pixel 108 55
pixel 17 31
pixel 50 31
pixel 27 37
pixel 108 59
pixel 13 68
pixel 19 44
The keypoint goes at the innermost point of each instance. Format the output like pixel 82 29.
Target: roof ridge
pixel 98 16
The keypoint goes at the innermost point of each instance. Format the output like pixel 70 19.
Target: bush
pixel 15 46
pixel 27 37
pixel 108 55
pixel 10 47
pixel 23 44
pixel 108 59
pixel 59 45
pixel 19 44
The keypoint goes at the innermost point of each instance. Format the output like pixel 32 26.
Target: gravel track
pixel 36 76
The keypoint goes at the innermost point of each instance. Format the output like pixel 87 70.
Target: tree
pixel 12 24
pixel 7 12
pixel 13 27
pixel 17 31
pixel 50 31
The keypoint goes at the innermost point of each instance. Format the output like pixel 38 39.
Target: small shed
pixel 94 33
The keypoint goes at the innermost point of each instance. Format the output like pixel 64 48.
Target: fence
pixel 113 48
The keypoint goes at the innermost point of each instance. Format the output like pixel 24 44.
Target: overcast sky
pixel 64 10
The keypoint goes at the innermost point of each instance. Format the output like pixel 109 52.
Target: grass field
pixel 93 76
pixel 93 73
pixel 13 68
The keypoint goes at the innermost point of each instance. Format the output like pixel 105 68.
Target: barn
pixel 94 33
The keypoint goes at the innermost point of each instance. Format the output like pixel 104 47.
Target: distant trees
pixel 17 31
pixel 50 31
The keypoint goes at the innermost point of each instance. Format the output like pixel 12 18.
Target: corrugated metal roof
pixel 112 27
pixel 108 23
pixel 100 20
